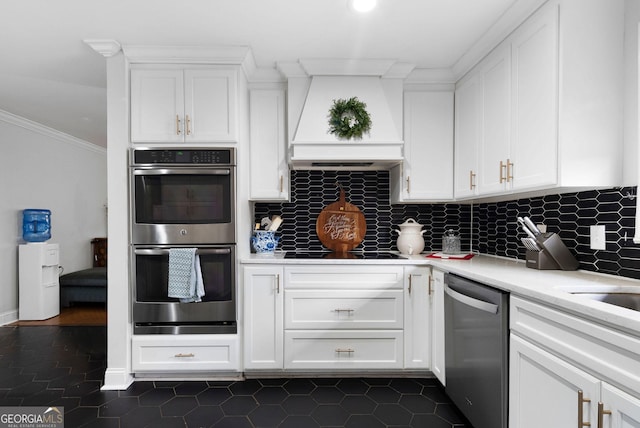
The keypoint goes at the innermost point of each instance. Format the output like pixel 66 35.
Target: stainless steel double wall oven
pixel 183 198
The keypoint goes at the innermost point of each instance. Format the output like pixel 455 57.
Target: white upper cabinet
pixel 543 110
pixel 184 105
pixel 468 115
pixel 494 145
pixel 426 173
pixel 269 171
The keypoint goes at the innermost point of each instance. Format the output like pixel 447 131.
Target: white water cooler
pixel 39 292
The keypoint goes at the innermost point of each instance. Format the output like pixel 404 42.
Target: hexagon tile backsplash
pixel 488 228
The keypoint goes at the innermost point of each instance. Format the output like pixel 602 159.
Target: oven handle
pixel 181 171
pixel 470 301
pixel 163 251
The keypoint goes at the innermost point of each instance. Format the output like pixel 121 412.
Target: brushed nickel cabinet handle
pixel 349 311
pixel 344 351
pixel 278 283
pixel 502 168
pixel 410 281
pixel 189 355
pixel 581 402
pixel 408 184
pixel 472 181
pixel 509 170
pixel 430 281
pixel 281 183
pixel 177 125
pixel 188 120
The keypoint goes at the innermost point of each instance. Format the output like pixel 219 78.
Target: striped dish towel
pixel 185 275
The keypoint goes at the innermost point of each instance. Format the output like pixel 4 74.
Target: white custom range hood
pixel 313 85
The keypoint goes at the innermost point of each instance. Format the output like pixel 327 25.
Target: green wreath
pixel 349 118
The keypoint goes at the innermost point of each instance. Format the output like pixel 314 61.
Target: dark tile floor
pixel 64 366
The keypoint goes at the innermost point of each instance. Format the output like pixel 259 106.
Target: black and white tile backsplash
pixel 488 228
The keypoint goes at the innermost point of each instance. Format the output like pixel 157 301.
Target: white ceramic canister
pixel 410 239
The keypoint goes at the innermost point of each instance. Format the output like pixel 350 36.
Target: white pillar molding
pixel 105 47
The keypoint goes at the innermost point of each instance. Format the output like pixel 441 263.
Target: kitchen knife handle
pixel 532 227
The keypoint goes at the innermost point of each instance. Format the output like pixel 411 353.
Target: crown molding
pixel 38 128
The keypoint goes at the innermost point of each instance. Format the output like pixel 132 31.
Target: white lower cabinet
pixel 566 371
pixel 336 317
pixel 185 353
pixel 437 325
pixel 417 317
pixel 263 314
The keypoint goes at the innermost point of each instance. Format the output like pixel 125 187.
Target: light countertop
pixel 547 286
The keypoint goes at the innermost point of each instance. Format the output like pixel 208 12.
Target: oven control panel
pixel 183 156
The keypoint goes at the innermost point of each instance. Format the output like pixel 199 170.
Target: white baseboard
pixel 116 379
pixel 8 317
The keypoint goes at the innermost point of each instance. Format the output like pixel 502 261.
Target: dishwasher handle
pixel 470 301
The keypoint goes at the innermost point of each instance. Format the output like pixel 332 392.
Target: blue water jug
pixel 36 225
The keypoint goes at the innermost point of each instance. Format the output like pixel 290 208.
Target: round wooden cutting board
pixel 341 226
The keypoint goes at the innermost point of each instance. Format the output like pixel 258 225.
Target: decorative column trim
pixel 105 47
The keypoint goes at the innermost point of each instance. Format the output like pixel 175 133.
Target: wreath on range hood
pixel 349 119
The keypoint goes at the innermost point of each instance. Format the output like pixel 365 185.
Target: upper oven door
pixel 183 205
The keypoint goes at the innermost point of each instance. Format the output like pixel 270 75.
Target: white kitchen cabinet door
pixel 178 106
pixel 468 115
pixel 534 141
pixel 263 317
pixel 157 106
pixel 437 326
pixel 269 172
pixel 417 317
pixel 493 153
pixel 624 408
pixel 544 390
pixel 426 172
pixel 210 105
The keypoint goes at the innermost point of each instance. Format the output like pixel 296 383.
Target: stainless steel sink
pixel 625 296
pixel 624 300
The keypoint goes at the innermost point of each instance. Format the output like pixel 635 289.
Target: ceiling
pixel 50 76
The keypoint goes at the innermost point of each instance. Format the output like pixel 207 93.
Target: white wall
pixel 43 168
pixel 630 162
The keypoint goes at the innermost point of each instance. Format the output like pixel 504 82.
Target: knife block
pixel 553 254
pixel 540 260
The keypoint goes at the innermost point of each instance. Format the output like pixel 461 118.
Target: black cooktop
pixel 334 255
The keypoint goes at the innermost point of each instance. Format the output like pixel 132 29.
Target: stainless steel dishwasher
pixel 477 350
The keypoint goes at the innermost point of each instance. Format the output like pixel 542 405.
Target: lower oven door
pixel 154 312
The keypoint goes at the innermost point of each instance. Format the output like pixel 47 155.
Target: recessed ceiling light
pixel 363 5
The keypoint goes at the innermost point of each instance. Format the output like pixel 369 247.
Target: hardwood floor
pixel 85 314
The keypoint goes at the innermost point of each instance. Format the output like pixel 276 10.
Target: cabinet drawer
pixel 346 349
pixel 349 309
pixel 366 277
pixel 185 353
